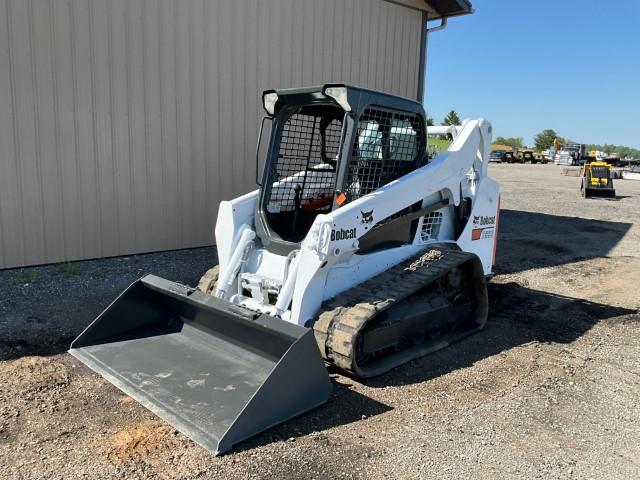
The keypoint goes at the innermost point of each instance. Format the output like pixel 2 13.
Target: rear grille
pixel 430 229
pixel 599 172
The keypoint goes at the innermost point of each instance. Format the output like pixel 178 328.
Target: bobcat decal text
pixel 483 220
pixel 342 234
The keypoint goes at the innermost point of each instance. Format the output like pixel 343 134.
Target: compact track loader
pixel 597 180
pixel 356 251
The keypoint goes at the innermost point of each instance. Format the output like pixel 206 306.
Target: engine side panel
pixel 480 234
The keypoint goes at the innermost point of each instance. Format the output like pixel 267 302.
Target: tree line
pixel 619 150
pixel 544 140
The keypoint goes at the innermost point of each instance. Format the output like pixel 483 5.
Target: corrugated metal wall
pixel 123 123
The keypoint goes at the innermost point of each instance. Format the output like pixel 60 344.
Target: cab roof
pixel 357 98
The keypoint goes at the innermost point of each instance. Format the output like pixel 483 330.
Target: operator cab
pixel 330 145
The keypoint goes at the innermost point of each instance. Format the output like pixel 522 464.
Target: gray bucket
pixel 216 372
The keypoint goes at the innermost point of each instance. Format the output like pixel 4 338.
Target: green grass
pixel 440 143
pixel 68 269
pixel 24 275
pixel 99 272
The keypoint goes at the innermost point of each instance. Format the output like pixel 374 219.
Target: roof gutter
pixel 423 51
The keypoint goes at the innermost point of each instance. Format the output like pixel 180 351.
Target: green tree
pixel 452 118
pixel 618 150
pixel 545 139
pixel 430 122
pixel 517 142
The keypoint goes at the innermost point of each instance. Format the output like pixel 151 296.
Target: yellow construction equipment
pixel 597 180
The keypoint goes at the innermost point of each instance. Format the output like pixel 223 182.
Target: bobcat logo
pixel 367 217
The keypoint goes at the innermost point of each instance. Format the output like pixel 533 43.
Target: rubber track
pixel 343 317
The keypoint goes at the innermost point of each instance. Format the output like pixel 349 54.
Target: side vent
pixel 430 226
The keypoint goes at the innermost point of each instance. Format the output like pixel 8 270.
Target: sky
pixel 569 65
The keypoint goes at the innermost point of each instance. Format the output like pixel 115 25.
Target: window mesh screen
pixel 387 146
pixel 599 172
pixel 430 226
pixel 304 174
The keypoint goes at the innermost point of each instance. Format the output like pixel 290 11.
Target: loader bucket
pixel 216 372
pixel 600 192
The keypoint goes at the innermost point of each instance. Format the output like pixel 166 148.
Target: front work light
pixel 339 94
pixel 269 100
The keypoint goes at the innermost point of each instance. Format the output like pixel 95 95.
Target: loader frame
pixel 330 259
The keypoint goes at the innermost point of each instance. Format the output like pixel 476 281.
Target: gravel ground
pixel 551 388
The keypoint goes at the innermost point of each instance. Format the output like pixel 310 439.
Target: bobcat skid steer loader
pixel 356 251
pixel 597 180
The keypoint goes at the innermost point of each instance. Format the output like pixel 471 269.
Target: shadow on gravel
pixel 14 348
pixel 534 240
pixel 517 315
pixel 344 407
pixel 42 316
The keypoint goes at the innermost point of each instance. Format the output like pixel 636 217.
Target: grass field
pixel 440 143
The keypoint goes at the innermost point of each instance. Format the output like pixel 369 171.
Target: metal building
pixel 123 123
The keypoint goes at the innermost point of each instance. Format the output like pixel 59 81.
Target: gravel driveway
pixel 550 389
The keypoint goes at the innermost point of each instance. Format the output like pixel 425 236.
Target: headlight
pixel 269 100
pixel 339 94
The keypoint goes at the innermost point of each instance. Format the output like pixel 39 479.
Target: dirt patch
pixel 459 391
pixel 30 374
pixel 140 442
pixel 149 446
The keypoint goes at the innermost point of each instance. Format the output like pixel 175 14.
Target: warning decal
pixel 482 233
